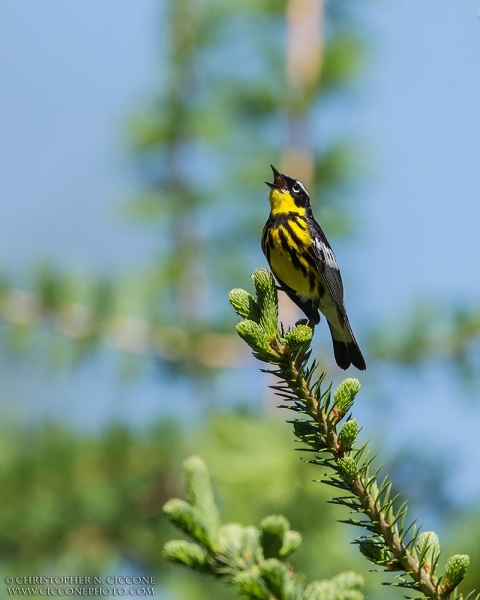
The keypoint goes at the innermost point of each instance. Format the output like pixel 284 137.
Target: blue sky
pixel 71 82
pixel 420 115
pixel 72 73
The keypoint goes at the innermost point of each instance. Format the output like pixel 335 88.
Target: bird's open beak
pixel 278 180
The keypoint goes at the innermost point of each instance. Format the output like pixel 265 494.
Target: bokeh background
pixel 135 139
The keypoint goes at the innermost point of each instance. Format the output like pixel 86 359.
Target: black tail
pixel 356 356
pixel 347 354
pixel 342 356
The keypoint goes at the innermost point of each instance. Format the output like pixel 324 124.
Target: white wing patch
pixel 326 254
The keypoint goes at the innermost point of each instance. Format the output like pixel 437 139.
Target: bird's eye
pixel 295 188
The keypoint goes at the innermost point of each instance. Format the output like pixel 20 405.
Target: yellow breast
pixel 288 254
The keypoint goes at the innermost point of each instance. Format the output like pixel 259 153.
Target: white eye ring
pixel 295 188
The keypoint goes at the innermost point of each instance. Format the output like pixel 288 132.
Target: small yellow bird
pixel 305 266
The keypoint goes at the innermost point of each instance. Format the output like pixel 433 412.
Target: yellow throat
pixel 281 201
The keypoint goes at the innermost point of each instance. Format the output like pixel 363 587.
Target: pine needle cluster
pixel 391 541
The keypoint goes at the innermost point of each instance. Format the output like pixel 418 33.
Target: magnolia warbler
pixel 305 266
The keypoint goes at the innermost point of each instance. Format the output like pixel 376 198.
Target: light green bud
pixel 344 396
pixel 200 494
pixel 187 518
pixel 348 433
pixel 254 335
pixel 267 301
pixel 273 530
pixel 250 584
pixel 188 554
pixel 428 548
pixel 298 336
pixel 456 569
pixel 276 537
pixel 264 283
pixel 274 573
pixel 244 304
pixel 291 542
pixel 347 469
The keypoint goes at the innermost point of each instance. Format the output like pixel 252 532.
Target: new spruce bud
pixel 298 336
pixel 348 434
pixel 344 396
pixel 275 574
pixel 200 495
pixel 455 570
pixel 428 549
pixel 187 518
pixel 272 531
pixel 237 542
pixel 267 301
pixel 198 485
pixel 347 469
pixel 188 554
pixel 244 304
pixel 276 538
pixel 251 585
pixel 291 542
pixel 254 335
pixel 373 489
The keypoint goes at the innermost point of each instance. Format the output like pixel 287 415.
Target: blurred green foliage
pixel 78 503
pixel 253 560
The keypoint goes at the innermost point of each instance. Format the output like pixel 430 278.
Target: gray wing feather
pixel 327 266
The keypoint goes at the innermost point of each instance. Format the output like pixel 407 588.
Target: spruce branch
pixel 252 559
pixel 391 543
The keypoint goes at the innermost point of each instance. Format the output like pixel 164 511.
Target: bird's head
pixel 287 194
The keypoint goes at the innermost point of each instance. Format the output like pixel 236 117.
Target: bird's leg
pixel 308 322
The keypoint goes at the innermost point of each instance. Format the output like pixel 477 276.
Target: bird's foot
pixel 308 322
